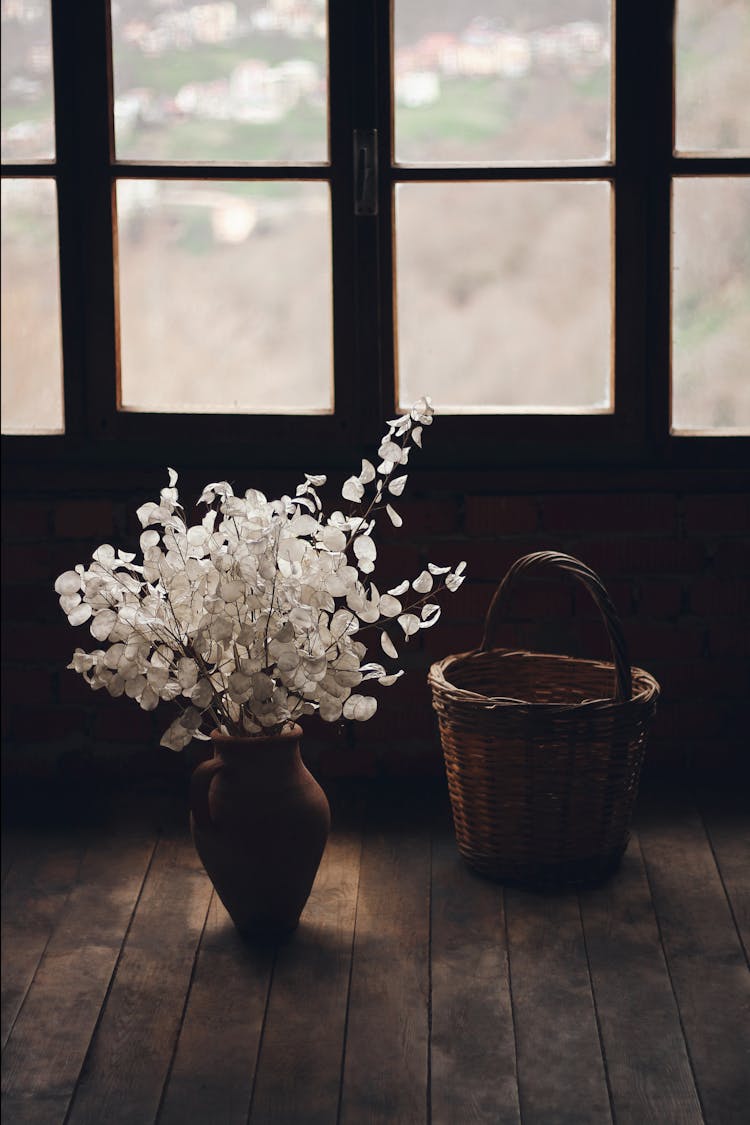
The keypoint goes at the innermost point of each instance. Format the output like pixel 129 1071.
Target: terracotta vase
pixel 260 822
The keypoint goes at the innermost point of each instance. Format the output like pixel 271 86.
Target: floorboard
pixel 43 872
pixel 414 992
pixel 472 1049
pixel 127 1064
pixel 386 1058
pixel 51 1036
pixel 647 1064
pixel 703 951
pixel 299 1072
pixel 726 817
pixel 561 1075
pixel 213 1070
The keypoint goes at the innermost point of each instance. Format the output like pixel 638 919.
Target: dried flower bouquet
pixel 252 618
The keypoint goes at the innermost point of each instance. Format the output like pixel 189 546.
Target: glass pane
pixel 502 81
pixel 32 393
pixel 509 310
pixel 712 97
pixel 226 82
pixel 28 131
pixel 225 296
pixel 711 304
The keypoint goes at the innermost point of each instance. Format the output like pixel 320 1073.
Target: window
pixel 272 220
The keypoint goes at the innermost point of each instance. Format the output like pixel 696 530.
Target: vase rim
pixel 290 733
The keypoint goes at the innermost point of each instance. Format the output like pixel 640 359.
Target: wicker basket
pixel 542 763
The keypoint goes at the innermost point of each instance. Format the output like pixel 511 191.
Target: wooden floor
pixel 413 990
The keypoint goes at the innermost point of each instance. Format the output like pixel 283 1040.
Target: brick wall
pixel 675 560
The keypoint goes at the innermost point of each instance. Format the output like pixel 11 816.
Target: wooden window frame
pixel 637 432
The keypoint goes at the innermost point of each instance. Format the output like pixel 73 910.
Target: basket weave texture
pixel 542 759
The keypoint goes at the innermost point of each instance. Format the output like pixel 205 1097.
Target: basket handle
pixel 595 587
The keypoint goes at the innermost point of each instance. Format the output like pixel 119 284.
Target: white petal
pixel 424 583
pixel 353 490
pixel 149 539
pixel 172 477
pixel 364 547
pixel 409 622
pixel 433 569
pixel 430 614
pixel 80 614
pixel 386 681
pixel 330 709
pixel 390 606
pixel 388 646
pixel 417 436
pixel 402 587
pixel 68 583
pixel 393 515
pixel 360 707
pixel 396 486
pixel 368 472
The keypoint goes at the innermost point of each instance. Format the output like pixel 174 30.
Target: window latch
pixel 365 171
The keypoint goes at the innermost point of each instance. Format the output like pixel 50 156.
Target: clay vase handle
pixel 200 783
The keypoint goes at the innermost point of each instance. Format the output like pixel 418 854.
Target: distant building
pixel 417 88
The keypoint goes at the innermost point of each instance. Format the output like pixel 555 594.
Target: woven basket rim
pixel 439 681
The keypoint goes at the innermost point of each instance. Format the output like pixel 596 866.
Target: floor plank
pixel 386 1058
pixel 473 1053
pixel 727 820
pixel 46 1051
pixel 299 1069
pixel 703 951
pixel 561 1075
pixel 127 1064
pixel 647 1063
pixel 211 1079
pixel 44 870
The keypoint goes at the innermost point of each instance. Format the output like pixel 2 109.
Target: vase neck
pixel 269 760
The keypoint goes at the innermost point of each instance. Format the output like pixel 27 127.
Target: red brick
pixel 84 519
pixel 715 675
pixel 719 597
pixel 732 556
pixel 42 644
pixel 347 761
pixel 647 640
pixel 642 556
pixel 422 519
pixel 609 512
pixel 122 720
pixel 395 562
pixel 501 515
pixel 22 688
pixel 659 598
pixel 470 602
pixel 48 724
pixel 620 593
pixel 487 561
pixel 729 512
pixel 22 563
pixel 27 521
pixel 37 602
pixel 445 639
pixel 729 638
pixel 413 760
pixel 725 756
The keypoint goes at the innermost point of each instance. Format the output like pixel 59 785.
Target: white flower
pixel 251 618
